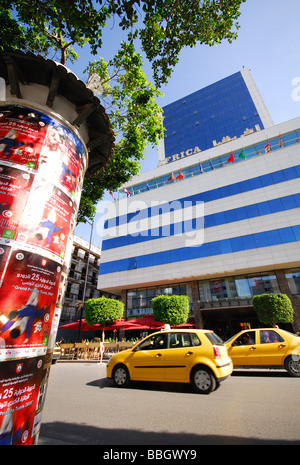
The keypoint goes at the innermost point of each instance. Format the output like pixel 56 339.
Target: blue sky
pixel 268 44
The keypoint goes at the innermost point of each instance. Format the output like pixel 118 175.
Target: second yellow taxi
pixel 266 347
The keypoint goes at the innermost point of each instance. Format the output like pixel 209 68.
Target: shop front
pixel 228 321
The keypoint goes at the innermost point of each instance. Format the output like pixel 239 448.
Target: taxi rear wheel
pixel 292 365
pixel 203 380
pixel 120 376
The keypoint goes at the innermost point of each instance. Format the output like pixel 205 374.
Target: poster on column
pixel 47 219
pixel 22 134
pixel 22 394
pixel 41 144
pixel 28 296
pixel 15 186
pixel 61 157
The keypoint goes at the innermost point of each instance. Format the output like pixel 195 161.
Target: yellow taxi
pixel 191 356
pixel 265 347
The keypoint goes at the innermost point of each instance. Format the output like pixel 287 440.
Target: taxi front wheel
pixel 202 379
pixel 120 376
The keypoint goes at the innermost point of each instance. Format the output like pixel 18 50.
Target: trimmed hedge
pixel 273 308
pixel 103 311
pixel 172 310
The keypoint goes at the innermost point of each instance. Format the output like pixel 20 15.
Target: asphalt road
pixel 251 407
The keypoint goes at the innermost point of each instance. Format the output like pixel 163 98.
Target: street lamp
pixel 85 279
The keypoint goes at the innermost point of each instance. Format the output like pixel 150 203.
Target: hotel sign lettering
pixel 182 154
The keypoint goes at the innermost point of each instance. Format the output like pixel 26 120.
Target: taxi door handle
pixel 281 346
pixel 158 355
pixel 189 353
pixel 252 348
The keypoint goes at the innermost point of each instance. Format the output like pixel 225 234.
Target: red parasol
pixel 120 324
pixel 147 320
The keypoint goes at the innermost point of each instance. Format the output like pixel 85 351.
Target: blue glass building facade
pixel 223 109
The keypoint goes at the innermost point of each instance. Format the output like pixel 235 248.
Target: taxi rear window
pixel 214 339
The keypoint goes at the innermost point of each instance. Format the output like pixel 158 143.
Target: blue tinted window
pixel 241 213
pixel 230 216
pixel 156 259
pixel 287 235
pixel 210 221
pixel 236 244
pixel 214 248
pixel 297 199
pixel 214 194
pixel 224 191
pixel 166 257
pixel 248 242
pixel 275 205
pixel 225 245
pixel 203 250
pixel 290 173
pixel 278 176
pixel 266 180
pixel 296 231
pixel 261 240
pixel 255 183
pixel 124 264
pixel 220 218
pixel 184 254
pixel 245 186
pixel 274 237
pixel 264 208
pixel 115 266
pixel 252 211
pixel 234 189
pixel 288 202
pixel 195 252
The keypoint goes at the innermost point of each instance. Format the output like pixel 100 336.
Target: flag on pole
pixel 201 169
pixel 267 147
pixel 147 185
pixel 211 165
pixel 171 178
pixel 242 154
pixel 280 140
pixel 126 192
pixel 180 176
pixel 111 194
pixel 231 158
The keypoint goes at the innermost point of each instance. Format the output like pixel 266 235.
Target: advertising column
pixel 42 166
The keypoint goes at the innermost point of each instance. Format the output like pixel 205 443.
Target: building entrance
pixel 228 321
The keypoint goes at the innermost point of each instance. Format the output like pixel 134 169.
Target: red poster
pixel 15 186
pixel 21 382
pixel 22 133
pixel 46 224
pixel 28 295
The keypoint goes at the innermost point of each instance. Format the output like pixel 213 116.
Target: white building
pixel 84 266
pixel 226 228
